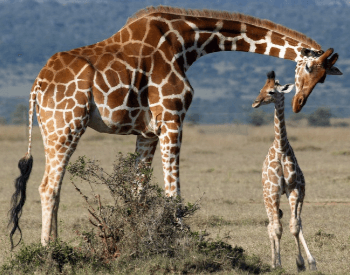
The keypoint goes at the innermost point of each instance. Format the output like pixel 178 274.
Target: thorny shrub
pixel 143 224
pixel 142 221
pixel 55 258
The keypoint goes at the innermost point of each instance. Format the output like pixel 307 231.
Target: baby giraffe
pixel 281 175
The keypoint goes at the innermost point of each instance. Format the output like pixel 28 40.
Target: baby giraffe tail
pixel 280 213
pixel 25 166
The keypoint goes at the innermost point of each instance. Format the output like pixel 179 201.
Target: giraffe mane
pixel 224 15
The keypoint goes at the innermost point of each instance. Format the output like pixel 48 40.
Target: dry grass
pixel 224 162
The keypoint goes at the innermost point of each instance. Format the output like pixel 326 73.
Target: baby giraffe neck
pixel 281 140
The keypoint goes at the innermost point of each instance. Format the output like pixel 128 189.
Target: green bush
pixel 149 226
pixel 142 221
pixel 20 115
pixel 297 116
pixel 52 259
pixel 193 118
pixel 340 124
pixel 3 120
pixel 259 117
pixel 320 117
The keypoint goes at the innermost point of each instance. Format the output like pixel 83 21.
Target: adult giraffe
pixel 135 83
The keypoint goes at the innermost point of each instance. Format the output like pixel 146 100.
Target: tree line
pixel 320 117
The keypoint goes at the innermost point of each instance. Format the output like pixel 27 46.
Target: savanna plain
pixel 222 166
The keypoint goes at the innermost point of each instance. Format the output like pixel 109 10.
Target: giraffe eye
pixel 307 68
pixel 272 92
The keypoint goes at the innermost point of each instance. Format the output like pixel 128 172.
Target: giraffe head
pixel 311 69
pixel 272 91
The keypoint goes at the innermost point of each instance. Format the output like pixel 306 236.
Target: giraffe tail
pixel 280 213
pixel 25 165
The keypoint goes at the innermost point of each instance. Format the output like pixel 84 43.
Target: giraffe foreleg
pixel 274 227
pixel 277 233
pixel 170 144
pixel 272 241
pixel 145 149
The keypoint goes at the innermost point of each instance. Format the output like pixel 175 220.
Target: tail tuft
pixel 19 197
pixel 25 166
pixel 280 213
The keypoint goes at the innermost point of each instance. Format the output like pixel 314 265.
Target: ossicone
pixel 271 75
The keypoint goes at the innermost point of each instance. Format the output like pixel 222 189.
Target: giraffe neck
pixel 281 140
pixel 192 38
pixel 185 35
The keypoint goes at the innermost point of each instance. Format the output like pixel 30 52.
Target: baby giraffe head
pixel 272 91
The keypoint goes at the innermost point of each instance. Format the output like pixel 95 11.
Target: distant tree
pixel 193 119
pixel 259 117
pixel 20 115
pixel 298 116
pixel 320 117
pixel 341 124
pixel 2 120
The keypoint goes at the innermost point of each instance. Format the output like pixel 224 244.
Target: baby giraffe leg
pixel 296 202
pixel 277 226
pixel 274 228
pixel 272 241
pixel 311 261
pixel 294 225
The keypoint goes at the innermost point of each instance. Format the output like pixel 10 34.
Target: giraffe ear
pixel 285 89
pixel 333 71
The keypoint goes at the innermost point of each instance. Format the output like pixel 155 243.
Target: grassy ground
pixel 223 162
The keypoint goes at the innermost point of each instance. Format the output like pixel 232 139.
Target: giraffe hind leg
pixel 310 259
pixel 58 153
pixel 295 225
pixel 272 242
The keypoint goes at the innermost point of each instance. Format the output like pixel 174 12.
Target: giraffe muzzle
pixel 256 103
pixel 298 103
pixel 301 101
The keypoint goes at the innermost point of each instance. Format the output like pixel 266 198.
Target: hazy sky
pixel 23 89
pixel 173 2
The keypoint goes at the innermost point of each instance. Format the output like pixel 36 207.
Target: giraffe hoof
pixel 312 265
pixel 300 264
